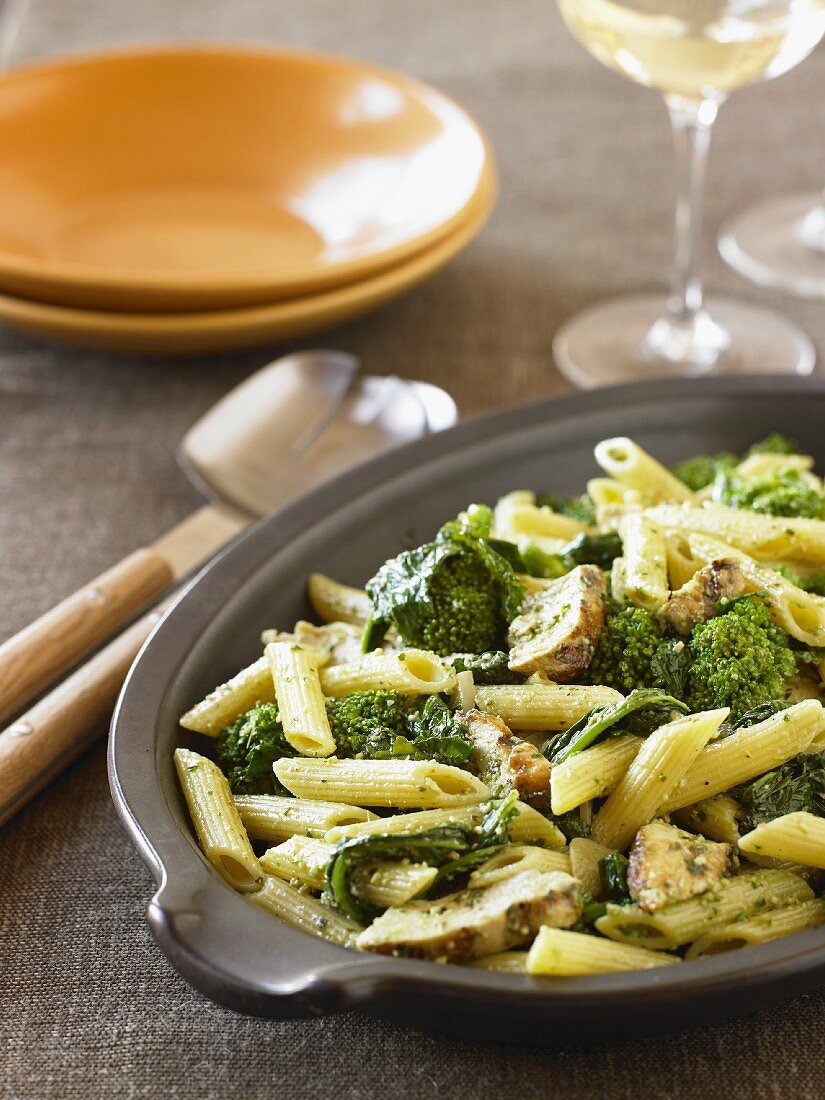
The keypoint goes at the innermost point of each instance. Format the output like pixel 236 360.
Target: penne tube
pixel 413 671
pixel 515 858
pixel 764 537
pixel 685 921
pixel 799 837
pixel 759 929
pixel 217 824
pixel 593 773
pixel 402 784
pixel 644 579
pixel 757 465
pixel 584 864
pixel 272 817
pixel 301 859
pixel 747 753
pixel 504 962
pixel 801 614
pixel 527 827
pixel 303 911
pixel 558 952
pixel 716 818
pixel 618 581
pixel 653 775
pixel 337 603
pixel 301 703
pixel 606 490
pixel 305 860
pixel 682 563
pixel 628 463
pixel 528 520
pixel 539 706
pixel 229 701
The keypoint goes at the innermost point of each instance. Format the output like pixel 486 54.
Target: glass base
pixel 630 339
pixel 780 244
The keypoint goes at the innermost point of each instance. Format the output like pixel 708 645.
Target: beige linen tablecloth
pixel 88 1006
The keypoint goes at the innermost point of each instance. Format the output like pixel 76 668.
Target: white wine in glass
pixel 694 52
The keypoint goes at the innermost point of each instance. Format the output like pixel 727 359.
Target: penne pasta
pixel 505 962
pixel 559 952
pixel 759 929
pixel 644 579
pixel 337 603
pixel 540 706
pixel 747 753
pixel 229 701
pixel 402 784
pixel 584 864
pixel 607 490
pixel 412 671
pixel 801 614
pixel 305 860
pixel 304 911
pixel 716 818
pixel 301 704
pixel 653 775
pixel 527 827
pixel 271 817
pixel 764 537
pixel 592 773
pixel 515 858
pixel 217 824
pixel 625 461
pixel 685 921
pixel 799 837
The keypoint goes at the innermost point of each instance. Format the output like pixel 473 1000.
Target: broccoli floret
pixel 466 612
pixel 774 444
pixel 367 720
pixel 779 493
pixel 625 650
pixel 246 750
pixel 382 725
pixel 453 595
pixel 741 659
pixel 492 667
pixel 582 508
pixel 702 470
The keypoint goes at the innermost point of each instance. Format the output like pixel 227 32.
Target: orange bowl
pixel 221 330
pixel 205 178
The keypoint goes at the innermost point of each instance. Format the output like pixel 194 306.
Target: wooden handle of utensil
pixel 40 653
pixel 45 740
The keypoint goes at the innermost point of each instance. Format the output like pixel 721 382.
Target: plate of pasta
pixel 529 716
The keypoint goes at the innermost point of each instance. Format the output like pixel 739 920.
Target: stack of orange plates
pixel 188 200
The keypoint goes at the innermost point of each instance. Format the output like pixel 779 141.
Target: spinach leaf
pixel 454 849
pixel 613 874
pixel 797 785
pixel 594 725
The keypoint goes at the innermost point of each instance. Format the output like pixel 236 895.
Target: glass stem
pixel 692 121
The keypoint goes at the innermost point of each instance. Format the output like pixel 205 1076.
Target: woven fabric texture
pixel 88 1006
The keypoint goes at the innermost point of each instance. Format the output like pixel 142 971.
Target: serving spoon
pixel 286 429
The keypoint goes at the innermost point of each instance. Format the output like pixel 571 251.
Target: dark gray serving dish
pixel 248 960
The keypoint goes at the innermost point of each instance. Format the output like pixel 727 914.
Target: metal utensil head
pixel 301 420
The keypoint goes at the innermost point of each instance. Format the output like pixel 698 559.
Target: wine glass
pixel 780 244
pixel 694 52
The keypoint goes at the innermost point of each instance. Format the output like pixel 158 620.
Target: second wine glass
pixel 694 52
